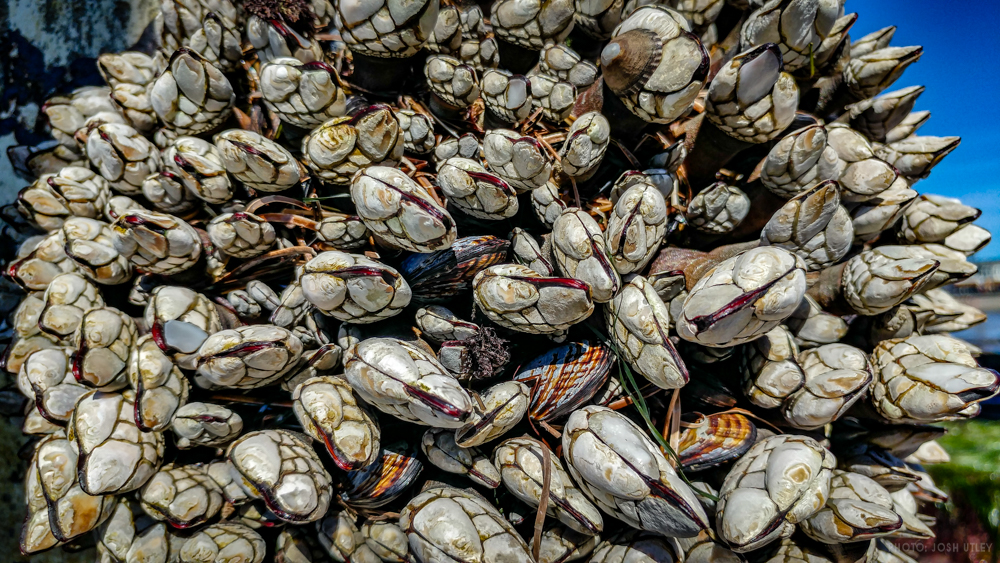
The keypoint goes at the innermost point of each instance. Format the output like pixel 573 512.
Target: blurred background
pixel 50 46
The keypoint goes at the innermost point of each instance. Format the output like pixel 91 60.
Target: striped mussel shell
pixel 564 378
pixel 439 276
pixel 382 482
pixel 709 441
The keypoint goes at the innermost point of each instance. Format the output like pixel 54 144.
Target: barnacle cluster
pixel 269 311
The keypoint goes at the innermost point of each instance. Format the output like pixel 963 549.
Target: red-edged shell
pixel 711 440
pixel 565 378
pixel 438 276
pixel 383 481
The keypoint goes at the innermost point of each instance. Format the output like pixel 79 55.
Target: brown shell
pixel 639 55
pixel 715 439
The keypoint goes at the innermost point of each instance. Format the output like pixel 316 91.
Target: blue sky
pixel 959 67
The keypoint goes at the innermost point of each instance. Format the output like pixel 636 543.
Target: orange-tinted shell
pixel 715 439
pixel 564 378
pixel 383 481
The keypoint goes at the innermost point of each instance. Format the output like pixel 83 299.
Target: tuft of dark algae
pixel 485 354
pixel 297 12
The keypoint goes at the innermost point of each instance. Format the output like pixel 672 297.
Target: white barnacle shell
pixel 160 387
pixel 638 322
pixel 248 356
pixel 257 161
pixel 780 481
pixel 475 191
pixel 199 166
pixel 336 150
pixel 518 159
pixel 438 445
pixel 47 377
pixel 625 474
pixel 581 252
pixel 241 234
pixel 115 456
pixel 281 468
pixel 157 242
pixel 877 280
pixel 66 299
pixel 205 424
pixel 532 23
pixel 586 142
pixel 330 413
pixel 813 225
pixel 751 99
pixel 521 464
pixel 636 228
pixel 799 160
pixel 654 64
pixel 921 379
pixel 743 297
pixel 858 509
pixel 385 29
pixel 90 244
pixel 192 96
pixel 519 298
pixel 836 377
pixel 182 495
pixel 224 541
pixel 303 94
pixel 502 407
pixel 122 156
pixel 353 288
pixel 448 524
pixel 401 211
pixel 403 380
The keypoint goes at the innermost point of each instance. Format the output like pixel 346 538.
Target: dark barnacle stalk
pixel 625 125
pixel 523 27
pixel 383 42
